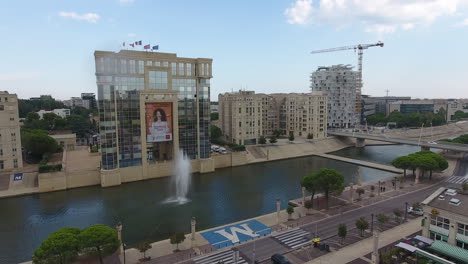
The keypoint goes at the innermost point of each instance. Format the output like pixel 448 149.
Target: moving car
pixel 415 211
pixel 432 142
pixel 279 259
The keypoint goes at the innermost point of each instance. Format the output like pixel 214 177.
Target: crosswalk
pixel 294 238
pixel 225 257
pixel 457 179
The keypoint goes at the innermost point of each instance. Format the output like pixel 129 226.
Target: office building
pixel 90 98
pixel 455 105
pixel 445 221
pixel 246 116
pixel 151 104
pixel 62 112
pixel 77 102
pixel 373 104
pixel 338 83
pixel 10 138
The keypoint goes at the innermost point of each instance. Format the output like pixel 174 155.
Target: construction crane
pixel 360 48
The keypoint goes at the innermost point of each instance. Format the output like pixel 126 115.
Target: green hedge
pixel 94 149
pixel 50 168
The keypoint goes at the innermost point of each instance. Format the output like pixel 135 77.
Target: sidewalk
pixel 365 246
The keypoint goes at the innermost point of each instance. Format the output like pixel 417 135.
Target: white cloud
pixel 464 23
pixel 89 17
pixel 17 76
pixel 300 12
pixel 380 16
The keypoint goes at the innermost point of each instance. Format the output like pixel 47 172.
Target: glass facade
pixel 119 107
pixel 416 108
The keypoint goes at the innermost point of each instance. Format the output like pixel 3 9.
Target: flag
pixel 147 46
pixel 133 45
pixel 156 47
pixel 139 42
pixel 136 42
pixel 123 44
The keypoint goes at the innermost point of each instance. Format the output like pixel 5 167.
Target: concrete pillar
pixel 278 208
pixel 351 192
pixel 375 253
pixel 235 255
pixel 416 177
pixel 452 233
pixel 423 148
pixel 359 176
pixel 193 224
pixel 118 227
pixel 303 196
pixel 360 142
pixel 427 222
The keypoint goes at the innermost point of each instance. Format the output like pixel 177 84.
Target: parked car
pixel 432 142
pixel 415 211
pixel 279 259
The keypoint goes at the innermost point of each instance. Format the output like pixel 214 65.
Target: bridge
pixel 425 145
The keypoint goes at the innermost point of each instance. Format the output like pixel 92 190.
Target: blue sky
pixel 47 46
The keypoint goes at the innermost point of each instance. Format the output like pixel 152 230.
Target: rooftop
pixel 450 200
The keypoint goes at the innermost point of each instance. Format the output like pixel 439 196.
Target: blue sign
pixel 18 177
pixel 233 234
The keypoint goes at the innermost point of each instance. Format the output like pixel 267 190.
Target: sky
pixel 264 46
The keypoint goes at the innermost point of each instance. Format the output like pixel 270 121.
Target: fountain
pixel 181 179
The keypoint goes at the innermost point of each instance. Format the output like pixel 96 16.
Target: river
pixel 217 198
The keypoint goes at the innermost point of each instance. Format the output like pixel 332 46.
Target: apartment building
pixel 246 116
pixel 151 105
pixel 338 83
pixel 62 112
pixel 10 138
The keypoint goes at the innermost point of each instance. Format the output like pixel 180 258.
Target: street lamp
pixel 124 245
pixel 406 211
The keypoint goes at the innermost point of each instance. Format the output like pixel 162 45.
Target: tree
pixel 290 210
pixel 382 219
pixel 48 119
pixel 262 140
pixel 62 246
pixel 330 181
pixel 143 247
pixel 291 137
pixel 273 140
pixel 81 111
pixel 308 205
pixel 465 186
pixel 277 133
pixel 310 136
pixel 31 116
pixel 398 214
pixel 403 162
pixel 310 182
pixel 442 163
pixel 78 124
pixel 417 206
pixel 360 191
pixel 425 163
pixel 342 232
pixel 99 240
pixel 362 224
pixel 177 238
pixel 37 142
pixel 215 132
pixel 214 116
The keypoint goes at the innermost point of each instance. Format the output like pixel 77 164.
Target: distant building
pixel 445 220
pixel 10 138
pixel 373 105
pixel 214 107
pixel 65 138
pixel 42 97
pixel 246 116
pixel 455 105
pixel 91 99
pixel 77 102
pixel 62 112
pixel 338 83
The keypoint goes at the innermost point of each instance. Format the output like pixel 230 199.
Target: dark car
pixel 279 259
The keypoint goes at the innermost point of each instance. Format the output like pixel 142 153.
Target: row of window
pixel 2 164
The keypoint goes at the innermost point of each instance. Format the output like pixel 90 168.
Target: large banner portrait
pixel 158 122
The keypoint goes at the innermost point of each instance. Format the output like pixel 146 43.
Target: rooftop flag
pixel 156 47
pixel 123 44
pixel 147 46
pixel 138 42
pixel 133 45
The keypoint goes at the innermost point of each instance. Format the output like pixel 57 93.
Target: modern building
pixel 246 116
pixel 373 105
pixel 90 98
pixel 151 104
pixel 338 83
pixel 62 112
pixel 455 105
pixel 10 138
pixel 77 102
pixel 214 107
pixel 445 221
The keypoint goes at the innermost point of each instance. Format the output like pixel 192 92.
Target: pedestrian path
pixel 226 257
pixel 457 179
pixel 294 238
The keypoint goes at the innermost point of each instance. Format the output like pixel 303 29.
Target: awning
pixel 410 248
pixel 462 238
pixel 433 257
pixel 450 250
pixel 439 230
pixel 424 239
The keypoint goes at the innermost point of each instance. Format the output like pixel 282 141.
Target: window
pixel 462 245
pixel 132 66
pixel 158 80
pixel 15 163
pixel 141 67
pixel 101 64
pixel 123 66
pixel 1 165
pixel 189 69
pixel 440 222
pixel 1 150
pixel 157 63
pixel 207 68
pixel 12 119
pixel 202 71
pixel 2 107
pixel 174 68
pixel 463 229
pixel 181 69
pixel 166 64
pixel 149 63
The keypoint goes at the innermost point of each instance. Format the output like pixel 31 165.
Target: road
pixel 439 145
pixel 266 247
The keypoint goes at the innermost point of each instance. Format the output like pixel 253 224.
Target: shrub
pixel 50 168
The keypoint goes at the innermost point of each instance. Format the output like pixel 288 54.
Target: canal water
pixel 217 198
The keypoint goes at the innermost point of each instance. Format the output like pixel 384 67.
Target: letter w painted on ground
pixel 234 230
